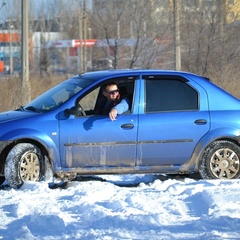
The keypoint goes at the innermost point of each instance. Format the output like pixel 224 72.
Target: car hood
pixel 14 115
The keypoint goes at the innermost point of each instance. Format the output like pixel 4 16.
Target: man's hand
pixel 113 114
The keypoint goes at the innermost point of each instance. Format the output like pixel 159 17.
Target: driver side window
pixel 90 103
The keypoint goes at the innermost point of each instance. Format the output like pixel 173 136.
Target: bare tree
pixel 128 32
pixel 210 46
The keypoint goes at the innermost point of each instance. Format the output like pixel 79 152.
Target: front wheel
pixel 24 163
pixel 221 160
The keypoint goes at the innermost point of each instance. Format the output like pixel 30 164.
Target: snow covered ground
pixel 122 207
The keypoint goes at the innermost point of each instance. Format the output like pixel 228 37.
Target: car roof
pixel 109 73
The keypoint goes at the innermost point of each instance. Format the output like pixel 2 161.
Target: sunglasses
pixel 113 92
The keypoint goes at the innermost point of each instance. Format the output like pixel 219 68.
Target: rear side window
pixel 169 95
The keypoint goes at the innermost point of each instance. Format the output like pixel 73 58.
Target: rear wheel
pixel 24 163
pixel 221 160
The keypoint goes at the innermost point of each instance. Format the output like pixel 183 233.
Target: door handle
pixel 127 126
pixel 200 121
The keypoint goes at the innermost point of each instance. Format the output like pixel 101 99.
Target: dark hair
pixel 104 87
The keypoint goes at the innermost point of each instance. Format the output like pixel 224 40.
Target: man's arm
pixel 123 106
pixel 120 108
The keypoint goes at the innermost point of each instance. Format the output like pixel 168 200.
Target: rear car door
pixel 173 118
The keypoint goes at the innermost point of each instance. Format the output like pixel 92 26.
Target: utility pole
pixel 84 37
pixel 177 43
pixel 80 52
pixel 26 90
pixel 222 12
pixel 10 50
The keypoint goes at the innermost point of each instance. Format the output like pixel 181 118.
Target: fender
pixel 211 136
pixel 50 144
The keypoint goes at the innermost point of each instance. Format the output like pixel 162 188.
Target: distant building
pixel 10 51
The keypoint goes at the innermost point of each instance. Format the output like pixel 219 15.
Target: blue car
pixel 177 123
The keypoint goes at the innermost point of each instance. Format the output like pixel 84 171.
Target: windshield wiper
pixel 21 108
pixel 32 108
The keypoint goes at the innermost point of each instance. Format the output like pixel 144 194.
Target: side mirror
pixel 75 110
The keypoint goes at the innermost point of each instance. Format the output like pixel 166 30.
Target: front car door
pixel 174 117
pixel 95 141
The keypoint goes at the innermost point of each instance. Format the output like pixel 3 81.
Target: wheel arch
pixel 226 134
pixel 47 153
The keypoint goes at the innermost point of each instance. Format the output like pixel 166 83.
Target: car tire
pixel 23 163
pixel 221 160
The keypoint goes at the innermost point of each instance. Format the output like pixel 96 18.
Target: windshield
pixel 57 95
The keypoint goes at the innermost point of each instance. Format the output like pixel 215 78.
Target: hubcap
pixel 224 163
pixel 30 167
